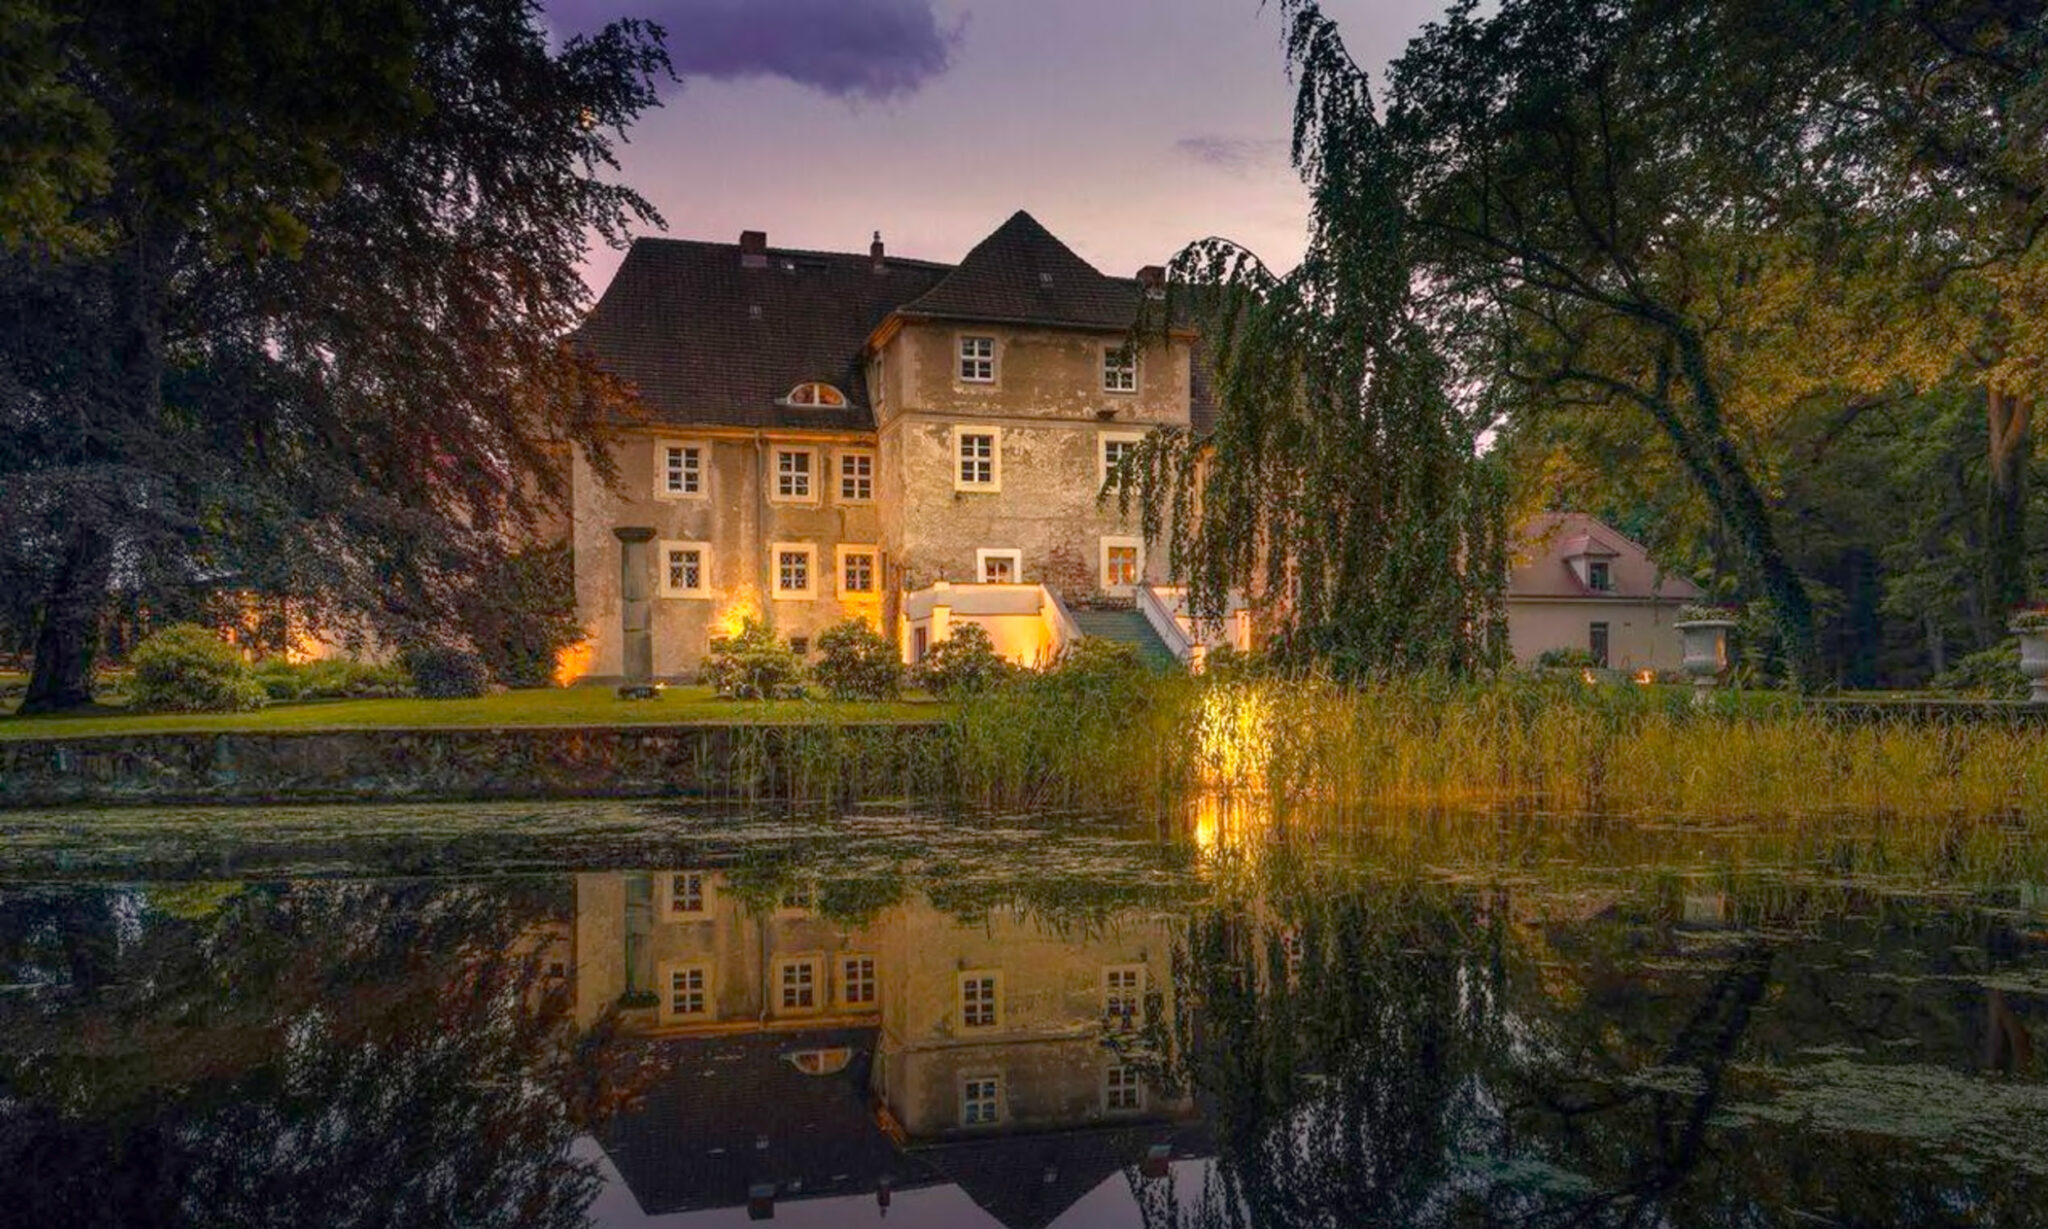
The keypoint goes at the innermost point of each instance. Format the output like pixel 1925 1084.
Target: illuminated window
pixel 978 457
pixel 999 567
pixel 981 1100
pixel 857 984
pixel 794 565
pixel 680 469
pixel 856 570
pixel 686 991
pixel 685 569
pixel 978 995
pixel 799 985
pixel 978 360
pixel 686 893
pixel 792 473
pixel 817 394
pixel 1122 561
pixel 1119 370
pixel 1122 1089
pixel 1123 995
pixel 856 476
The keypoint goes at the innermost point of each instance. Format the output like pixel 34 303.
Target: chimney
pixel 1153 279
pixel 875 254
pixel 753 249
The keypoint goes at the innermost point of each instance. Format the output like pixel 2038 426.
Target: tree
pixel 1341 486
pixel 317 348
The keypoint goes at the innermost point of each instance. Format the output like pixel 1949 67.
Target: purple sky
pixel 1128 127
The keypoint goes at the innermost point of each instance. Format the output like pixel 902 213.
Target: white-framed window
pixel 859 569
pixel 1123 995
pixel 684 569
pixel 856 477
pixel 797 899
pixel 793 566
pixel 686 992
pixel 981 1100
pixel 1123 562
pixel 858 984
pixel 977 458
pixel 796 476
pixel 1119 369
pixel 685 896
pixel 1123 1089
pixel 816 393
pixel 999 567
pixel 796 984
pixel 981 992
pixel 1111 448
pixel 978 360
pixel 679 468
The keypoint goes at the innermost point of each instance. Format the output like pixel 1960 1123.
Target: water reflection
pixel 1090 1027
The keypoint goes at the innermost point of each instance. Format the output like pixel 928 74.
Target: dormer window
pixel 816 393
pixel 1598 575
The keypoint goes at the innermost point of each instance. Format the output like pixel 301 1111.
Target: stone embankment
pixel 706 760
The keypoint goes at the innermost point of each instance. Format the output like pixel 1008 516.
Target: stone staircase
pixel 1127 627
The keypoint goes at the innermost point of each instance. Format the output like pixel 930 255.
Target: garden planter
pixel 1706 650
pixel 2034 660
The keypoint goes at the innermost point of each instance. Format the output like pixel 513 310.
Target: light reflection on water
pixel 642 1015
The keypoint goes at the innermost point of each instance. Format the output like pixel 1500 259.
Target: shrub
pixel 2030 619
pixel 521 614
pixel 331 678
pixel 1568 659
pixel 752 665
pixel 186 668
pixel 964 663
pixel 1993 674
pixel 446 672
pixel 856 662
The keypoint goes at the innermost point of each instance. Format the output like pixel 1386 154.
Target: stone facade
pixel 833 431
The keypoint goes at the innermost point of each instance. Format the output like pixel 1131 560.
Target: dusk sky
pixel 1128 127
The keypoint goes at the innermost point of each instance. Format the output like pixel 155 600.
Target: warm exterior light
pixel 573 662
pixel 1646 677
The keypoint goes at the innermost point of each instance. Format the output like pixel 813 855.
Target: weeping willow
pixel 1341 491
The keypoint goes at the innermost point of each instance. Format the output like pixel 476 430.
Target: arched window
pixel 816 393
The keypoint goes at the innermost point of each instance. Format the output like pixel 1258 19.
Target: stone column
pixel 636 610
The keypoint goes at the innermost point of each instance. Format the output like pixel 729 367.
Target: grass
pixel 550 706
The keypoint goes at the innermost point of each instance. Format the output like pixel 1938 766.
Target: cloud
pixel 873 49
pixel 1233 155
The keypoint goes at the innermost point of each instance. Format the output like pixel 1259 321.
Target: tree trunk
pixel 68 633
pixel 2010 422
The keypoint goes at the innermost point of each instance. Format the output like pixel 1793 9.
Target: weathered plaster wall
pixel 1639 634
pixel 1048 405
pixel 740 524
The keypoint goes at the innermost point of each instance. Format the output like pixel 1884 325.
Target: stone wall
pixel 799 761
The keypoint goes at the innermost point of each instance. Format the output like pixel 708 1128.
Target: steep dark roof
pixel 707 341
pixel 1021 274
pixel 1028 1181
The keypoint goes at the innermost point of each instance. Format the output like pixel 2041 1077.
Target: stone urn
pixel 2034 658
pixel 1706 651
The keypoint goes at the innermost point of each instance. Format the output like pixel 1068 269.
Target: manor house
pixel 834 434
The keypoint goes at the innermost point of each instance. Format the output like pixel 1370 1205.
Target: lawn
pixel 569 706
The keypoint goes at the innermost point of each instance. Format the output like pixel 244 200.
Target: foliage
pixel 2032 619
pixel 1340 490
pixel 856 662
pixel 187 668
pixel 446 671
pixel 1991 674
pixel 752 664
pixel 520 612
pixel 331 678
pixel 1574 657
pixel 314 347
pixel 964 663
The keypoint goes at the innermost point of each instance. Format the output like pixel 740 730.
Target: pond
pixel 622 1015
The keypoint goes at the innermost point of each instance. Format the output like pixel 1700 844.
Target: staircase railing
pixel 1064 630
pixel 1164 624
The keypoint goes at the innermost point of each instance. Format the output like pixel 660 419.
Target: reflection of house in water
pixel 910 1053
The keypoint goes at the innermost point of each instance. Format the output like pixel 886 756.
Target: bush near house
pixel 753 664
pixel 521 614
pixel 331 678
pixel 446 672
pixel 856 662
pixel 185 668
pixel 964 663
pixel 1993 674
pixel 1567 659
